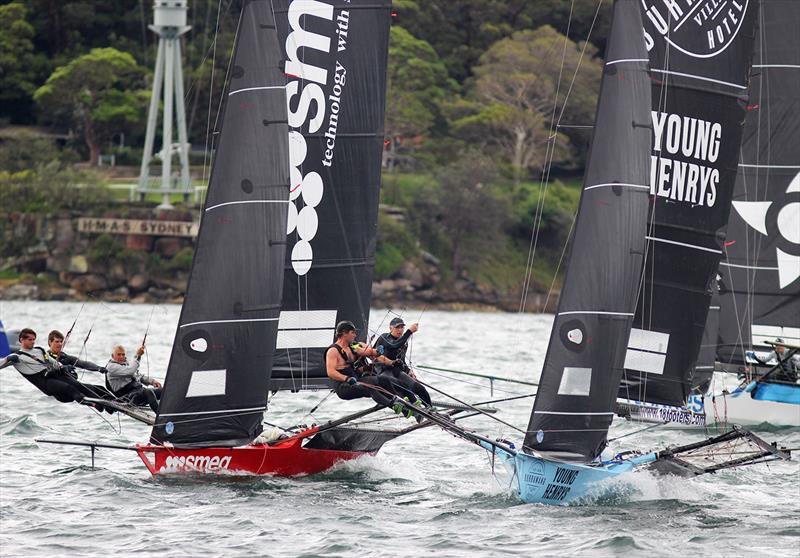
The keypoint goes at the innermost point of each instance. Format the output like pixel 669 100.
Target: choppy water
pixel 425 494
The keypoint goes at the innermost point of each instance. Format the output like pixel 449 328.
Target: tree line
pixel 481 94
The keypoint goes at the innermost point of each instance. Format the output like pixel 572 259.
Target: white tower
pixel 169 23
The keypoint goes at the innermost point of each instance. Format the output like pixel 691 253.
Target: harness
pixel 48 366
pixel 351 369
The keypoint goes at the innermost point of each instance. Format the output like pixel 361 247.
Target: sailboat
pixel 563 457
pixel 673 388
pixel 700 65
pixel 286 243
pixel 759 276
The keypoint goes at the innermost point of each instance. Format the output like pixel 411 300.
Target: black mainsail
pixel 335 56
pixel 583 365
pixel 700 57
pixel 216 385
pixel 760 271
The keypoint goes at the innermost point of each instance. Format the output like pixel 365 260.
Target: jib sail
pixel 700 56
pixel 335 55
pixel 216 384
pixel 583 366
pixel 760 270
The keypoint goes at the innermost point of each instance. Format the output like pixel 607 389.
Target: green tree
pixel 461 30
pixel 417 85
pixel 17 66
pixel 516 94
pixel 472 214
pixel 93 93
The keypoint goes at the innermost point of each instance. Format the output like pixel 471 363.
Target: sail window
pixel 575 381
pixel 204 383
pixel 647 351
pixel 306 329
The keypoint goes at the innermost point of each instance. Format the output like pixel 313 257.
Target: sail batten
pixel 574 403
pixel 217 379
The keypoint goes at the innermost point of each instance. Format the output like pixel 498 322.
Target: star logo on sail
pixel 787 223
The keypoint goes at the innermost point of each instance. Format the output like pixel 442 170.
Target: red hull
pixel 285 459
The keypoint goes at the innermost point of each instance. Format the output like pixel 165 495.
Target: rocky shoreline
pixel 59 260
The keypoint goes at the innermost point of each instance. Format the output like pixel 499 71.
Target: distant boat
pixel 564 456
pixel 5 347
pixel 759 276
pixel 757 299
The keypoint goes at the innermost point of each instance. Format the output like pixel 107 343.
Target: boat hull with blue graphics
pixel 757 403
pixel 546 480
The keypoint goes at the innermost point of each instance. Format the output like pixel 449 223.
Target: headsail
pixel 700 59
pixel 760 271
pixel 583 366
pixel 216 384
pixel 335 61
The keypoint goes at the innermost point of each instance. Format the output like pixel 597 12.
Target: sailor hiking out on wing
pixel 47 373
pixel 55 342
pixel 126 382
pixel 391 362
pixel 345 364
pixel 789 364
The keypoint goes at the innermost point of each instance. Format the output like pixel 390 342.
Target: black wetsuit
pixel 394 348
pixel 362 389
pixel 53 379
pixel 139 394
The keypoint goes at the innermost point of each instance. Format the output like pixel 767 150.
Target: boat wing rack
pixel 735 448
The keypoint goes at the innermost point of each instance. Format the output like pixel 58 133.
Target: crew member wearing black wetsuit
pixel 392 347
pixel 49 375
pixel 341 365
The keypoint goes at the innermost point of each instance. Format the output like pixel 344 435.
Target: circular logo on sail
pixel 777 219
pixel 698 28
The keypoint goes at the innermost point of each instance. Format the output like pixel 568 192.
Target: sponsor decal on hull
pixel 203 463
pixel 561 485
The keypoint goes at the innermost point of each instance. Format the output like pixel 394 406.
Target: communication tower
pixel 169 23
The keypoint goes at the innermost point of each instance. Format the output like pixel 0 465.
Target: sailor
pixel 49 375
pixel 342 360
pixel 789 364
pixel 126 382
pixel 391 362
pixel 55 342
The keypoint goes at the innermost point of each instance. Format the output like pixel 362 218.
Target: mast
pixel 700 62
pixel 760 269
pixel 335 54
pixel 216 384
pixel 583 365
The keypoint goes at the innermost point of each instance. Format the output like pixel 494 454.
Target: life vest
pixel 350 369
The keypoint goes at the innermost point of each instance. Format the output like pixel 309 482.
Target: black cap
pixel 344 327
pixel 397 322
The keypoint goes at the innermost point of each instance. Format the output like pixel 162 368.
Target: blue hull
pixel 545 481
